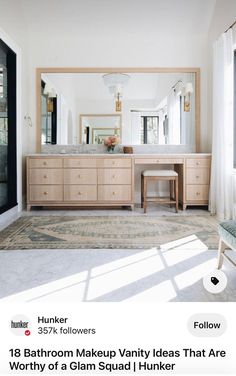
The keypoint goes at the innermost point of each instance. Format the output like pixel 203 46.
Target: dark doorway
pixel 8 175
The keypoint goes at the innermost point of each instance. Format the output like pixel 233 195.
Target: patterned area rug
pixel 57 232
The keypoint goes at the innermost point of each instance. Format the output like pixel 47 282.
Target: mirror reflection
pixel 95 128
pixel 139 108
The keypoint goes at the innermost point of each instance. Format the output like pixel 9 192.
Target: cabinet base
pixel 81 206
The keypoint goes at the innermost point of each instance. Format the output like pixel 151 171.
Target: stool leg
pixel 145 194
pixel 170 183
pixel 221 251
pixel 142 191
pixel 176 195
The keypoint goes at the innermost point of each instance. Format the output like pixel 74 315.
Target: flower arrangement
pixel 110 142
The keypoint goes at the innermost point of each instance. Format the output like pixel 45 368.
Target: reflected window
pixel 48 117
pixel 149 130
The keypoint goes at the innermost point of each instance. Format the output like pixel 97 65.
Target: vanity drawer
pixel 114 192
pixel 80 162
pixel 45 162
pixel 80 192
pixel 197 192
pixel 159 161
pixel 44 193
pixel 80 176
pixel 198 176
pixel 114 162
pixel 114 176
pixel 45 176
pixel 198 162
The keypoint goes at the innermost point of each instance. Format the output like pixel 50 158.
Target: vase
pixel 110 149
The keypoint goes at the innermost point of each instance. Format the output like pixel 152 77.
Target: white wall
pixel 108 33
pixel 224 15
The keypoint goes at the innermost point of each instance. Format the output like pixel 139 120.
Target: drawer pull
pixel 113 176
pixel 197 193
pixel 45 176
pixel 113 162
pixel 197 163
pixel 197 176
pixel 113 193
pixel 45 163
pixel 45 193
pixel 157 161
pixel 79 176
pixel 79 193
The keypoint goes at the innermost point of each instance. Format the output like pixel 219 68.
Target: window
pixel 149 130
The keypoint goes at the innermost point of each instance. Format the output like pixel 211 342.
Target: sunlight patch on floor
pixel 180 256
pixel 163 292
pixel 117 278
pixel 195 274
pixel 182 249
pixel 64 289
pixel 187 242
pixel 125 261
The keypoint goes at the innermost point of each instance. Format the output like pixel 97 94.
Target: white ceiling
pixel 90 86
pixel 188 17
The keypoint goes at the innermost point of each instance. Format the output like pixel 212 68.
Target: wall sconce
pixel 118 103
pixel 115 83
pixel 50 105
pixel 187 90
pixel 50 93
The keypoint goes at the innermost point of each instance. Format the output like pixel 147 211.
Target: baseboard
pixel 8 217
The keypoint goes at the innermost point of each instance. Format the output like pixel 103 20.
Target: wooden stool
pixel 160 175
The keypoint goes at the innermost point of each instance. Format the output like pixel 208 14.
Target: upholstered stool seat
pixel 159 175
pixel 227 232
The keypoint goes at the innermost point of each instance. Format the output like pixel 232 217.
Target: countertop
pixel 112 155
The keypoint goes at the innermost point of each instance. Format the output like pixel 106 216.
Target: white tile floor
pixel 151 211
pixel 170 274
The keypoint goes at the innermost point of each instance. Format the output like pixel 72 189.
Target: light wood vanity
pixel 108 180
pixel 80 181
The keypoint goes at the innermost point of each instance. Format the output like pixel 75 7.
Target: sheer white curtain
pixel 221 195
pixel 173 110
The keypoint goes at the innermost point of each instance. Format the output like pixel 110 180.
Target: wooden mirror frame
pixel 40 71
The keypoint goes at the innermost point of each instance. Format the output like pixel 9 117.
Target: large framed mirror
pixel 158 106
